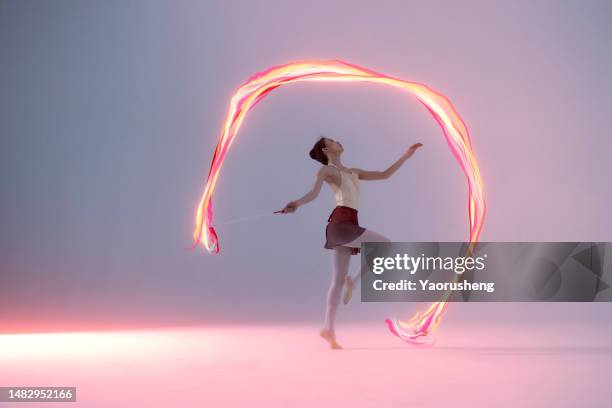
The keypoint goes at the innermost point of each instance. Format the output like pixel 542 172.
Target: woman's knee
pixel 377 237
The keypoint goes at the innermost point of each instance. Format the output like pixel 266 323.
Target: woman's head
pixel 323 148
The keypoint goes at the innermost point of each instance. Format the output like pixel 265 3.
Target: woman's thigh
pixel 367 236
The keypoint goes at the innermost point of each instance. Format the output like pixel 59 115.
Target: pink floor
pixel 289 365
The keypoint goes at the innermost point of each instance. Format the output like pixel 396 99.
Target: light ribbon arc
pixel 419 329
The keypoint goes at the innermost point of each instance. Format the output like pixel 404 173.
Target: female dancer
pixel 343 233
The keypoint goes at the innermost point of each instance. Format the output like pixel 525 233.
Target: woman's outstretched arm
pixel 309 196
pixel 383 175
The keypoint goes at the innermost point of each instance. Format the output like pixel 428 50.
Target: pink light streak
pixel 418 329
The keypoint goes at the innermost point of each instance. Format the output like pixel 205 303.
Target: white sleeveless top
pixel 348 193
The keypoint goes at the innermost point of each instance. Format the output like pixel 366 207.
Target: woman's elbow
pixel 313 194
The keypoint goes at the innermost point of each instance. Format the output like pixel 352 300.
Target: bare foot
pixel 348 289
pixel 330 338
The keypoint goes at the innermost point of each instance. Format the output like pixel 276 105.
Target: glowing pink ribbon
pixel 419 329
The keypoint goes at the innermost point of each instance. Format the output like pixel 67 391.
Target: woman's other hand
pixel 412 149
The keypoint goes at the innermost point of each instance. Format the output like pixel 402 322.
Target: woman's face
pixel 333 146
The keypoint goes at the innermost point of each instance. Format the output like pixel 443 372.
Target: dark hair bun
pixel 316 153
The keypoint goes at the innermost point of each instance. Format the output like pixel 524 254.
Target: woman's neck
pixel 335 160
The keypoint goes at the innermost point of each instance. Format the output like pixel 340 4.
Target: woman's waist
pixel 347 201
pixel 343 213
pixel 345 208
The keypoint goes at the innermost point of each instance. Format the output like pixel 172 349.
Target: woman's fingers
pixel 289 208
pixel 284 210
pixel 413 148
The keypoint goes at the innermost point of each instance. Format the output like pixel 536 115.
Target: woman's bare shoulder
pixel 325 171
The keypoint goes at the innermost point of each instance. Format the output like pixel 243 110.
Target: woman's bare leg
pixel 341 258
pixel 351 280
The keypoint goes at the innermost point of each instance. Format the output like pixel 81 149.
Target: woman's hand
pixel 289 208
pixel 412 149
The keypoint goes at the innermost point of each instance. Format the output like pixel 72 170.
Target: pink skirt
pixel 342 228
